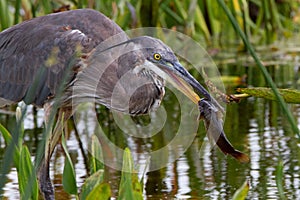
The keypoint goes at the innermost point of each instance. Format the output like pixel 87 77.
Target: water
pixel 254 126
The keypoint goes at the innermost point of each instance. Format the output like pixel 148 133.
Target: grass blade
pixel 289 95
pixel 8 138
pixel 6 135
pixel 26 175
pixel 17 12
pixel 215 23
pixel 200 21
pixel 279 180
pixel 5 20
pixel 69 177
pixel 180 9
pixel 46 6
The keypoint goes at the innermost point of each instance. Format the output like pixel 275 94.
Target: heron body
pixel 127 75
pixel 51 41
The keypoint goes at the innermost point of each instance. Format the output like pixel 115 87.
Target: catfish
pixel 213 122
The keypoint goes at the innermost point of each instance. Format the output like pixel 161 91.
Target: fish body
pixel 214 126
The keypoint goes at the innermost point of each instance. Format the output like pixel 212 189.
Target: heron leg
pixel 43 171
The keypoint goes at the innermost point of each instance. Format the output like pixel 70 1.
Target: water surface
pixel 255 126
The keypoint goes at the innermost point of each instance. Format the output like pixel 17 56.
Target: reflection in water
pixel 11 189
pixel 255 126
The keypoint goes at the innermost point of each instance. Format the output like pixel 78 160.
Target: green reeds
pixel 202 20
pixel 28 185
pixel 261 67
pixel 94 186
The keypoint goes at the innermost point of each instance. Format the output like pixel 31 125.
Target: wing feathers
pixel 49 41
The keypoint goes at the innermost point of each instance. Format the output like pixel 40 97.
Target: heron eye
pixel 157 56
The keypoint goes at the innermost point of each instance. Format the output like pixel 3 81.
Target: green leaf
pixel 289 95
pixel 200 21
pixel 181 9
pixel 8 138
pixel 26 175
pixel 97 155
pixel 101 191
pixel 213 12
pixel 46 6
pixel 91 182
pixel 242 192
pixel 5 15
pixel 5 133
pixel 69 177
pixel 130 187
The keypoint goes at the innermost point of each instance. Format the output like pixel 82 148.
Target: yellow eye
pixel 157 56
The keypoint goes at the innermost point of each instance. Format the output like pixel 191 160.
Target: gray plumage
pixel 26 47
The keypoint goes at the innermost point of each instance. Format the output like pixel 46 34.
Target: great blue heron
pixel 50 42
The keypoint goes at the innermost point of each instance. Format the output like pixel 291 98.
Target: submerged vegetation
pixel 263 23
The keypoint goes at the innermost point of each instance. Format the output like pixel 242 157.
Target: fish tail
pixel 241 157
pixel 227 148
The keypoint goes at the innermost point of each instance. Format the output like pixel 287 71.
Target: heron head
pixel 162 60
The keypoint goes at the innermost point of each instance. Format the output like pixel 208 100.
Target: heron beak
pixel 179 77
